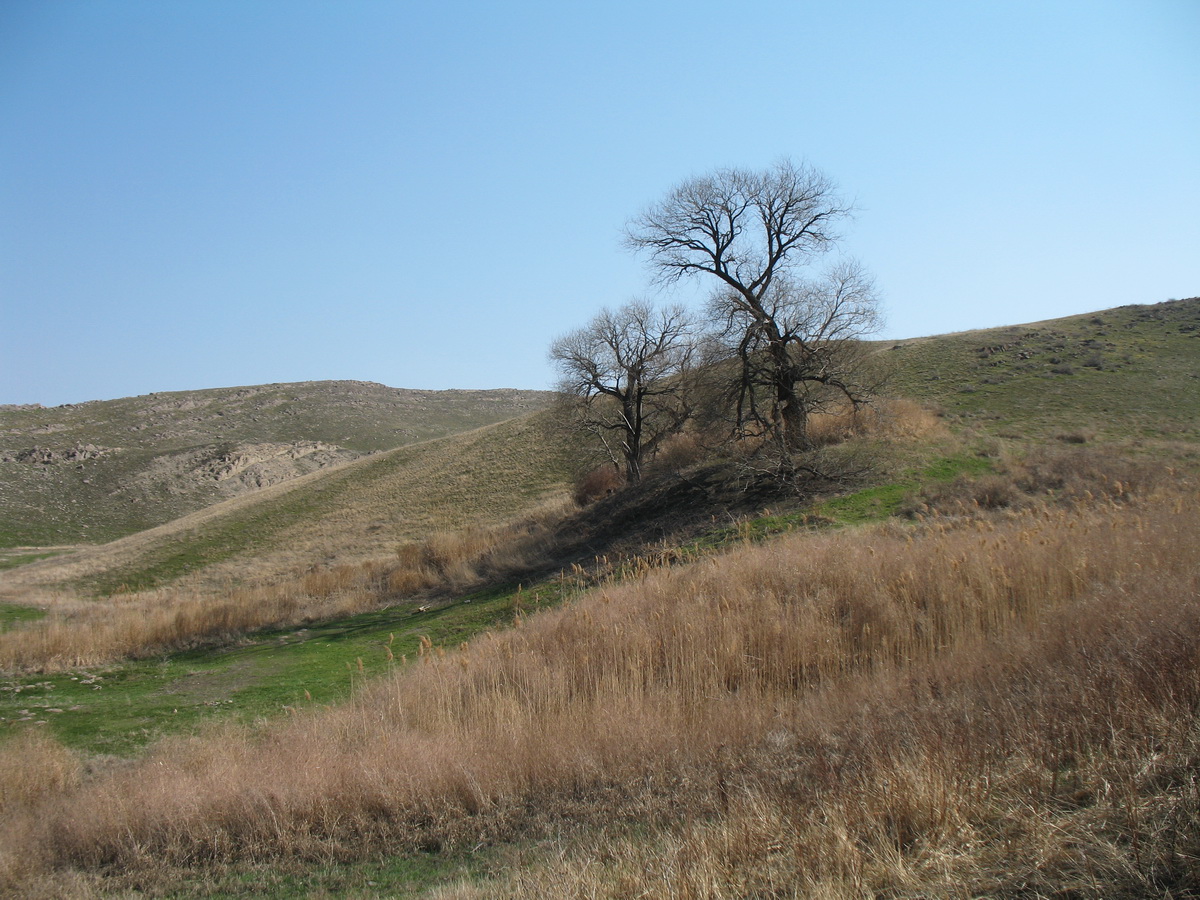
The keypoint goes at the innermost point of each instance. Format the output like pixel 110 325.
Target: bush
pixel 599 482
pixel 678 452
pixel 1073 437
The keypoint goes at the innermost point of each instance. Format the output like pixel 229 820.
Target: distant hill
pixel 92 472
pixel 232 463
pixel 1129 373
pixel 347 514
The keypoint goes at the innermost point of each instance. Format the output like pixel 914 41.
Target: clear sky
pixel 206 193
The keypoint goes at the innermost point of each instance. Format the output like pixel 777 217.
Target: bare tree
pixel 752 231
pixel 627 373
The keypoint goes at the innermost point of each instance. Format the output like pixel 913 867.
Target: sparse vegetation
pixel 93 472
pixel 137 620
pixel 1003 380
pixel 351 515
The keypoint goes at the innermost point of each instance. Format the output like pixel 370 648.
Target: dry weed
pixel 77 633
pixel 950 711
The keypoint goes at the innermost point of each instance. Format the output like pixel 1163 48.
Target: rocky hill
pixel 92 472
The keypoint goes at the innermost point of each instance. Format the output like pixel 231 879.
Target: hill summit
pixel 103 469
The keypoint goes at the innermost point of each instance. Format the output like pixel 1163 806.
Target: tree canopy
pixel 753 233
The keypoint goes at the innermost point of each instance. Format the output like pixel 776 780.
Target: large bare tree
pixel 627 373
pixel 754 233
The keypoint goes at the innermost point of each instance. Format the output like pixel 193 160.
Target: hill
pixel 1129 373
pixel 1126 374
pixel 342 515
pixel 990 689
pixel 93 472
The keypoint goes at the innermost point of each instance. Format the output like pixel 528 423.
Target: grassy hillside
pixel 356 512
pixel 979 706
pixel 1131 373
pixel 987 686
pixel 96 471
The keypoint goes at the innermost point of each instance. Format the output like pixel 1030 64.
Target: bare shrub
pixel 679 452
pixel 404 581
pixel 598 483
pixel 826 428
pixel 453 554
pixel 1074 437
pixel 900 418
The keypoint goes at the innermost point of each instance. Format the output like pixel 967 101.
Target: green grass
pixel 119 709
pixel 239 534
pixel 1127 373
pixel 870 504
pixel 879 502
pixel 125 489
pixel 491 474
pixel 12 560
pixel 14 613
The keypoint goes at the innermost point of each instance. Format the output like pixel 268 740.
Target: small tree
pixel 627 374
pixel 751 232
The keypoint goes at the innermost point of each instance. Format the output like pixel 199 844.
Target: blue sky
pixel 206 193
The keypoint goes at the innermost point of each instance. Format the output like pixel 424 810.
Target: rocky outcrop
pixel 106 468
pixel 233 469
pixel 48 456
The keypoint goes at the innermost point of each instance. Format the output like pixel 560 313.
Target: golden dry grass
pixel 895 418
pixel 964 708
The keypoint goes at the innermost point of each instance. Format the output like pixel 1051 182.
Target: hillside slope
pixel 354 512
pixel 1129 373
pixel 96 471
pixel 985 699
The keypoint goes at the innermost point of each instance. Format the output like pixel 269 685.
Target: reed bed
pixel 1002 705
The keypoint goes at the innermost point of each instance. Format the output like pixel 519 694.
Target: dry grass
pixel 1061 475
pixel 32 768
pixel 81 633
pixel 87 634
pixel 1006 707
pixel 894 418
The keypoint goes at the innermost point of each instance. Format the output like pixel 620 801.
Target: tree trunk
pixel 633 440
pixel 791 419
pixel 789 416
